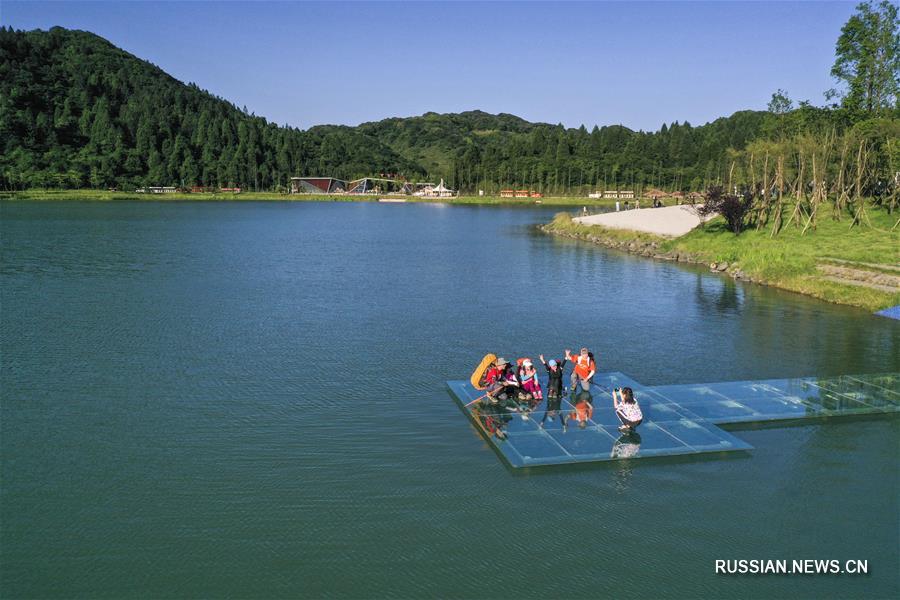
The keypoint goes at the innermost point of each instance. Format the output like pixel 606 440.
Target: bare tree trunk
pixel 840 201
pixel 798 213
pixel 779 205
pixel 762 215
pixel 860 214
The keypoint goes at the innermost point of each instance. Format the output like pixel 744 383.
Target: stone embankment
pixel 651 248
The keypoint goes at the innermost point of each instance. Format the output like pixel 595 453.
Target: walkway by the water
pixel 669 221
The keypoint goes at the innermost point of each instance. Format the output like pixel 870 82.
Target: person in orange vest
pixel 584 370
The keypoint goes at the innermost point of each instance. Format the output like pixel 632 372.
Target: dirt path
pixel 876 280
pixel 670 221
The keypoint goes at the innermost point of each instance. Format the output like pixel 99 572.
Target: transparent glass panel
pixel 571 419
pixel 652 440
pixel 521 423
pixel 627 446
pixel 743 390
pixel 776 407
pixel 590 442
pixel 463 391
pixel 725 411
pixel 648 396
pixel 690 393
pixel 614 379
pixel 702 437
pixel 887 381
pixel 551 420
pixel 787 387
pixel 860 391
pixel 605 416
pixel 536 448
pixel 827 402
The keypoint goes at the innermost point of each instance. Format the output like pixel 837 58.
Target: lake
pixel 249 400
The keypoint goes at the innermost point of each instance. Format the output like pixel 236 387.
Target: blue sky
pixel 639 64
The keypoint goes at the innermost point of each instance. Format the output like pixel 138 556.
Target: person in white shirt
pixel 627 409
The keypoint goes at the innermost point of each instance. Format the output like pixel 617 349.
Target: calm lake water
pixel 248 400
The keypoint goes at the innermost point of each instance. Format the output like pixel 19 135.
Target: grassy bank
pixel 789 261
pixel 107 196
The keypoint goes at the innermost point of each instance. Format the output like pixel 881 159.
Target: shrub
pixel 733 208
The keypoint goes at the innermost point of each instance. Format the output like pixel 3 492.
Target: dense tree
pixel 780 103
pixel 867 58
pixel 77 112
pixel 127 123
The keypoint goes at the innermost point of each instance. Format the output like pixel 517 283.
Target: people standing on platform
pixel 584 370
pixel 554 376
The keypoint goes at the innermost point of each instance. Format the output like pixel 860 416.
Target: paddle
pixel 476 400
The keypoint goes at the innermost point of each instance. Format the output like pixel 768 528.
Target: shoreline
pixel 857 270
pixel 38 195
pixel 702 247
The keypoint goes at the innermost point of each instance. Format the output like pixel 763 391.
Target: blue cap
pixel 552 362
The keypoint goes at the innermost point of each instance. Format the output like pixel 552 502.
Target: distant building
pixel 365 185
pixel 438 191
pixel 317 185
pixel 520 194
pixel 614 194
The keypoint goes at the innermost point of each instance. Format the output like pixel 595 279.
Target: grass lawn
pixel 788 260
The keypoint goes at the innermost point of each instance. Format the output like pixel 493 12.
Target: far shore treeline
pixel 77 112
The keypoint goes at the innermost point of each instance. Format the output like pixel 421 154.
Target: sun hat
pixel 527 363
pixel 501 362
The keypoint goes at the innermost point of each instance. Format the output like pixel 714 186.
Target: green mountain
pixel 75 111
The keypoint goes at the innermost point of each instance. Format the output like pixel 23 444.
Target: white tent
pixel 442 191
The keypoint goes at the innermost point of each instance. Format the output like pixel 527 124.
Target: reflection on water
pixel 627 445
pixel 719 294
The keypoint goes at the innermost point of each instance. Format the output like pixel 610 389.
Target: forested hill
pixel 75 111
pixel 433 140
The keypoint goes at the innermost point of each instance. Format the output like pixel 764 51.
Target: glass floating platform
pixel 678 419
